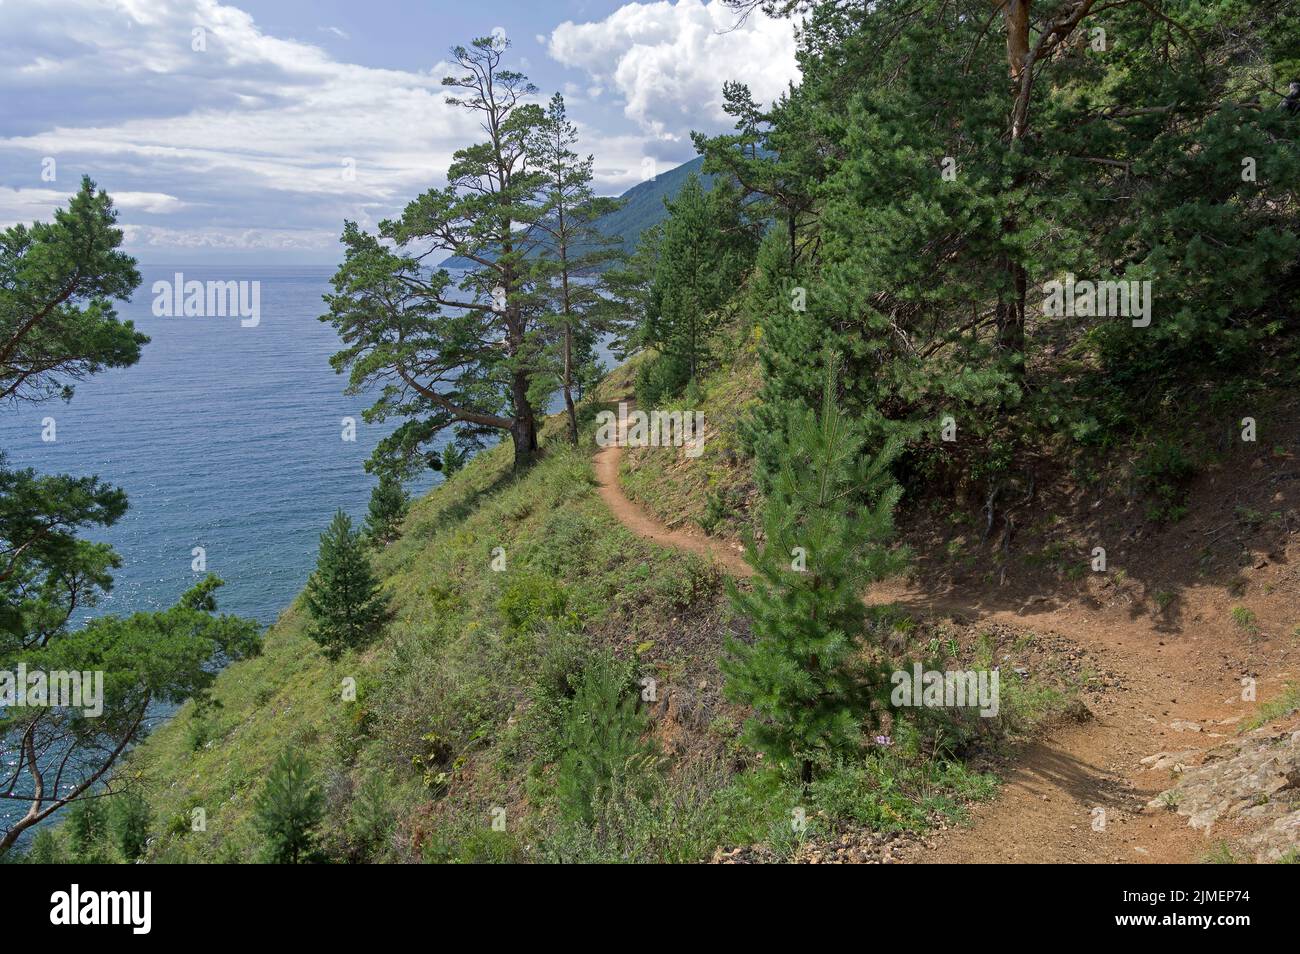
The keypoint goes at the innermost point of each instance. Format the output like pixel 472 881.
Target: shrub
pixel 1166 473
pixel 47 849
pixel 602 741
pixel 88 827
pixel 370 815
pixel 288 810
pixel 129 822
pixel 388 505
pixel 660 378
pixel 530 600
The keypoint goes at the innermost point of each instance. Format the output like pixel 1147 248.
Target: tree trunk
pixel 523 428
pixel 1017 13
pixel 1011 312
pixel 568 384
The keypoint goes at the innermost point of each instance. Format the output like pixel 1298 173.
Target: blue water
pixel 223 437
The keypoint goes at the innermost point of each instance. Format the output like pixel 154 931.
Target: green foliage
pixel 343 594
pixel 388 505
pixel 926 209
pixel 659 378
pixel 57 326
pixel 702 253
pixel 288 810
pixel 805 673
pixel 467 353
pixel 370 816
pixel 57 323
pixel 1244 619
pixel 530 600
pixel 604 754
pixel 53 573
pixel 1166 473
pixel 129 817
pixel 198 728
pixel 46 849
pixel 1278 707
pixel 893 791
pixel 473 845
pixel 647 819
pixel 146 657
pixel 88 828
pixel 573 252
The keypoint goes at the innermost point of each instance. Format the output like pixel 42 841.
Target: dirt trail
pixel 633 517
pixel 1063 782
pixel 1075 772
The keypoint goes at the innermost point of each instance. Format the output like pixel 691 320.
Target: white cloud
pixel 229 239
pixel 668 61
pixel 29 205
pixel 155 203
pixel 243 144
pixel 115 88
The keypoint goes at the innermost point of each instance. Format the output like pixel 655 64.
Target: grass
pixel 710 492
pixel 1244 619
pixel 459 710
pixel 1220 854
pixel 436 697
pixel 1277 708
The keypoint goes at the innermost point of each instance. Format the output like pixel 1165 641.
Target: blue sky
pixel 239 150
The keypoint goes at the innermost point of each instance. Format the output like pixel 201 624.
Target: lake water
pixel 223 436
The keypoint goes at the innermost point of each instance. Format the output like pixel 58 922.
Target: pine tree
pixel 57 323
pixel 58 326
pixel 87 828
pixel 603 748
pixel 944 198
pixel 706 245
pixel 827 519
pixel 343 594
pixel 129 824
pixel 288 810
pixel 573 250
pixel 388 505
pixel 442 351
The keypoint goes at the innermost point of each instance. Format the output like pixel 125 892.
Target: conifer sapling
pixel 343 594
pixel 827 520
pixel 388 505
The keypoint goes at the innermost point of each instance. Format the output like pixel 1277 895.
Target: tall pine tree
pixel 460 352
pixel 573 250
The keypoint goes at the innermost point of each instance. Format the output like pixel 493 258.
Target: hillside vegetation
pixel 992 324
pixel 483 686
